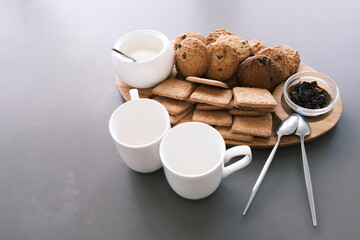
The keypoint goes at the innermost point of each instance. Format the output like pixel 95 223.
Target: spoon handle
pixel 261 176
pixel 308 182
pixel 119 52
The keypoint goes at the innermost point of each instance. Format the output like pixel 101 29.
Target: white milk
pixel 144 54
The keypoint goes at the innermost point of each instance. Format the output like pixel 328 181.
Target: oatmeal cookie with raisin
pixel 293 58
pixel 256 45
pixel 241 46
pixel 280 59
pixel 258 71
pixel 224 61
pixel 215 34
pixel 185 35
pixel 191 58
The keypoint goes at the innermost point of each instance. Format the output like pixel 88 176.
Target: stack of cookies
pixel 226 81
pixel 224 56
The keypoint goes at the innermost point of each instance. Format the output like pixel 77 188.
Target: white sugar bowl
pixel 154 57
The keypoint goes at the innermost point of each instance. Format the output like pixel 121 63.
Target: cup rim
pixel 161 36
pixel 221 159
pixel 146 144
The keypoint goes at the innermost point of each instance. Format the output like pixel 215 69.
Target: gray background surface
pixel 60 174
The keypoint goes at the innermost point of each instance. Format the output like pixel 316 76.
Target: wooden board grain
pixel 319 125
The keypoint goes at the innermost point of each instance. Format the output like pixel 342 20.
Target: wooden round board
pixel 319 125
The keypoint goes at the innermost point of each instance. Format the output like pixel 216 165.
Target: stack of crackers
pixel 240 113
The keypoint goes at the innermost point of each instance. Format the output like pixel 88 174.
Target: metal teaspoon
pixel 286 127
pixel 127 56
pixel 303 130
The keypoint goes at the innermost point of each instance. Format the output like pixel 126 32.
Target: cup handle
pixel 233 152
pixel 134 94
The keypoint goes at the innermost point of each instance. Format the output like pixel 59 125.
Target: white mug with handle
pixel 194 154
pixel 137 128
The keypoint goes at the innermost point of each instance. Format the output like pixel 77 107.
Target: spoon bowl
pixel 287 126
pixel 303 128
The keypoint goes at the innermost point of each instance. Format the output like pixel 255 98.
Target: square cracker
pixel 227 134
pixel 253 97
pixel 187 118
pixel 174 119
pixel 175 88
pixel 173 106
pixel 248 111
pixel 206 81
pixel 257 126
pixel 264 110
pixel 217 118
pixel 241 112
pixel 212 95
pixel 207 107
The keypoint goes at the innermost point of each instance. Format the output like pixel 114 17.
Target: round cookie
pixel 232 39
pixel 224 61
pixel 192 58
pixel 241 45
pixel 279 59
pixel 257 71
pixel 256 45
pixel 185 35
pixel 293 58
pixel 215 34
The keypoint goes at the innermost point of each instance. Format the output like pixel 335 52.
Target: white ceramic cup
pixel 154 54
pixel 193 156
pixel 137 128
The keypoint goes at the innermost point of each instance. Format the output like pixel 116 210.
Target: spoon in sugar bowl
pixel 125 55
pixel 303 129
pixel 286 127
